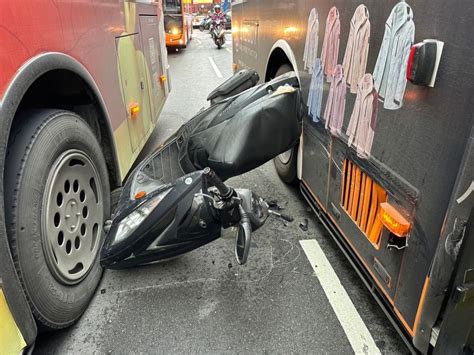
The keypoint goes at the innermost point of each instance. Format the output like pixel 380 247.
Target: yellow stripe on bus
pixel 11 340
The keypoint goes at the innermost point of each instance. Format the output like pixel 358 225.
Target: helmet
pixel 217 7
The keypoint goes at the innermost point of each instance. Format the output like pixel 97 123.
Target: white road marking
pixel 228 50
pixel 214 66
pixel 356 331
pixel 198 41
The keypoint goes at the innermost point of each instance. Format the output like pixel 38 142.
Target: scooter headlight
pixel 131 222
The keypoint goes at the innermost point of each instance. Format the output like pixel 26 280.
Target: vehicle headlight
pixel 174 31
pixel 131 222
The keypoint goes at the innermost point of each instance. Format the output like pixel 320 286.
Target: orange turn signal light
pixel 163 78
pixel 140 195
pixel 134 109
pixel 393 220
pixel 234 67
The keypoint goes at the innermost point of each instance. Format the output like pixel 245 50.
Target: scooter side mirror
pixel 242 245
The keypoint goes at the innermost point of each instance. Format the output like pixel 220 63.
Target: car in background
pixel 197 20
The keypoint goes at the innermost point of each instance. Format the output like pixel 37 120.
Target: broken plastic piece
pixel 273 204
pixel 283 216
pixel 285 89
pixel 304 225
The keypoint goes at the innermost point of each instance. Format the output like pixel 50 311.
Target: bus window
pixel 174 24
pixel 172 6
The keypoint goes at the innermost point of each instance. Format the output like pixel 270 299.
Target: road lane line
pixel 228 50
pixel 356 331
pixel 214 66
pixel 198 41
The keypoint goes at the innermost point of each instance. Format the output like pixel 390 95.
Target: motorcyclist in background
pixel 218 15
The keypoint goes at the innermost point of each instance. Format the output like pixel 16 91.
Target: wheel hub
pixel 72 216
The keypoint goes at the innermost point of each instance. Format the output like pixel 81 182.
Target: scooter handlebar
pixel 224 190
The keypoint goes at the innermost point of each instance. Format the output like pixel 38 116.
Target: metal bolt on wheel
pixel 72 217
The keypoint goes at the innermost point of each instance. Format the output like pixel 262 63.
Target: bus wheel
pixel 57 198
pixel 285 163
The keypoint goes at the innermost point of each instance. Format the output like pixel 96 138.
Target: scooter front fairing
pixel 168 206
pixel 167 221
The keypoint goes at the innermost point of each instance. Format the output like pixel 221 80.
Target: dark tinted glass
pixel 174 24
pixel 172 6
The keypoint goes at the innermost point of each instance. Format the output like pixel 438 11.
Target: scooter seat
pixel 244 131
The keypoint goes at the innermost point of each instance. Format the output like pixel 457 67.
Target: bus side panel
pixel 457 330
pixel 84 30
pixel 246 35
pixel 383 264
pixel 151 37
pixel 417 149
pixel 316 155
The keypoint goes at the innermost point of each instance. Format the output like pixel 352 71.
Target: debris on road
pixel 273 204
pixel 304 225
pixel 281 215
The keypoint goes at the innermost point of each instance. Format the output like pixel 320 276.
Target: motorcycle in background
pixel 205 23
pixel 218 33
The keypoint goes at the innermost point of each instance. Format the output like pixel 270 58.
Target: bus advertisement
pixel 81 87
pixel 178 22
pixel 386 155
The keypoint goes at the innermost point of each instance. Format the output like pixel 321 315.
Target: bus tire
pixel 286 163
pixel 57 197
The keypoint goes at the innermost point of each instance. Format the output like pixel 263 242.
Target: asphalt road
pixel 203 302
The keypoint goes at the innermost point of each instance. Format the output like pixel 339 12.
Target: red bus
pixel 81 87
pixel 178 23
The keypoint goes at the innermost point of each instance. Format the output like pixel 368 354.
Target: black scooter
pixel 176 201
pixel 218 33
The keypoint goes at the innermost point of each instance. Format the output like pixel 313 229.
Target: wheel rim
pixel 285 156
pixel 72 216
